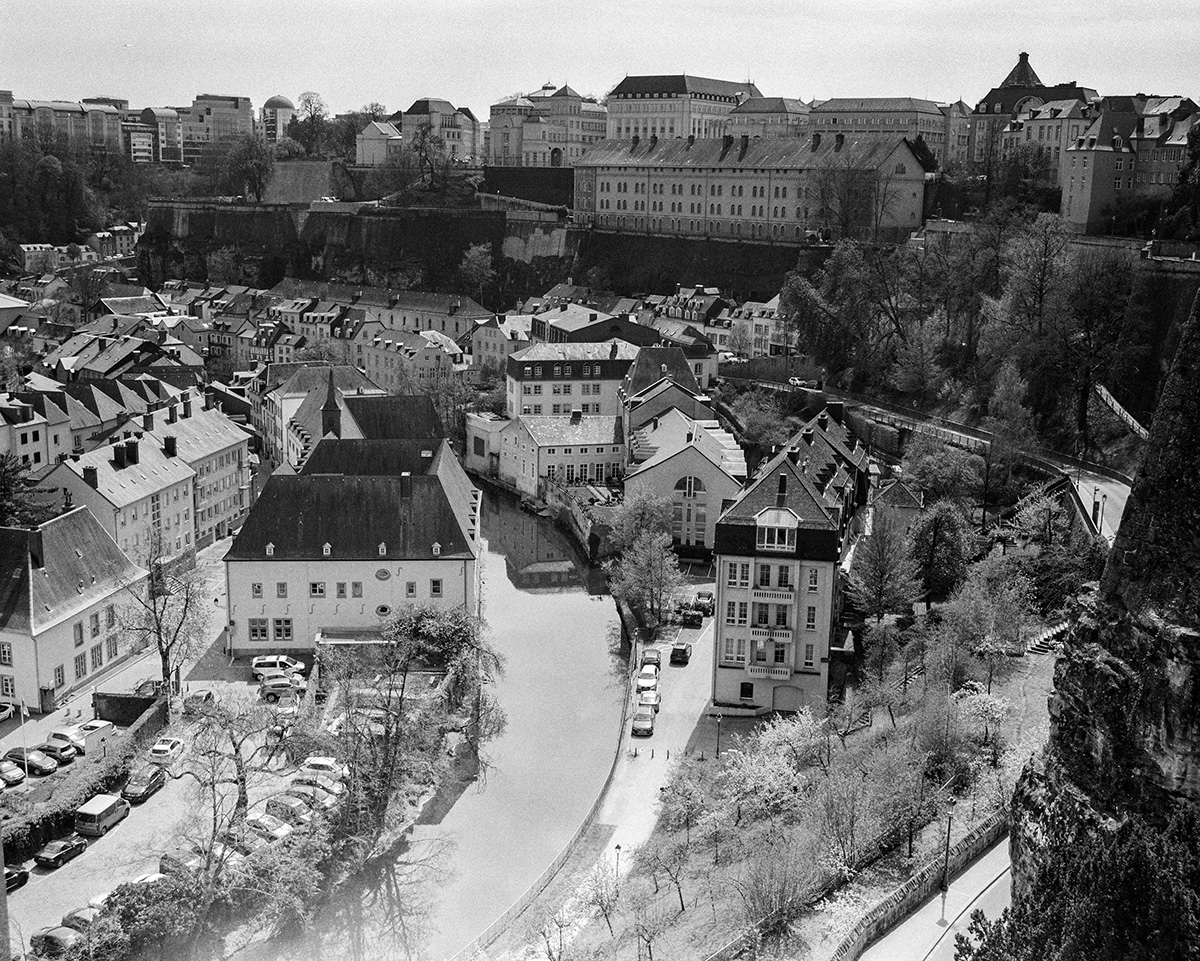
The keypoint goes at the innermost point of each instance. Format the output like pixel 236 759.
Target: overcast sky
pixel 475 52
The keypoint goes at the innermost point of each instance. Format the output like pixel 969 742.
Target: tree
pixel 429 149
pixel 602 891
pixel 647 576
pixel 325 352
pixel 649 923
pixel 941 544
pixel 312 119
pixel 884 577
pixel 762 418
pixel 288 149
pixel 671 859
pixel 917 370
pixel 20 505
pixel 250 165
pixel 940 471
pixel 740 343
pixel 232 733
pixel 224 266
pixel 476 270
pixel 776 884
pixel 1035 273
pixel 86 285
pixel 644 511
pixel 682 800
pixel 167 611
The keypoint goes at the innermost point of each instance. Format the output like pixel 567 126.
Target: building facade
pixel 573 450
pixel 558 379
pixel 456 126
pixel 274 118
pixel 551 127
pixel 882 117
pixel 768 117
pixel 673 106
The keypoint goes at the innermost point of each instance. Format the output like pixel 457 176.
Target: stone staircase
pixel 1048 640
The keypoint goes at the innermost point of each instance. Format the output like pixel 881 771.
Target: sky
pixel 476 52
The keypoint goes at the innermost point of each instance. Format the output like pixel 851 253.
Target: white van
pixel 100 813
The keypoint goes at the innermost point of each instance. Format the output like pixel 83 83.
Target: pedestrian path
pixel 1048 639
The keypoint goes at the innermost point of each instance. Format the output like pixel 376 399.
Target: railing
pixel 782 595
pixel 772 633
pixel 762 670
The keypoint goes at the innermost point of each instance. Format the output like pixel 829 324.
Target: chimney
pixel 148 421
pixel 562 306
pixel 119 455
pixel 793 455
pixel 612 351
pixel 187 407
pixel 37 554
pixel 593 316
pixel 90 478
pixel 68 499
pixel 823 420
pixel 816 141
pixel 636 139
pixel 576 416
pixel 655 427
pixel 171 413
pixel 691 140
pixel 131 451
pixel 781 495
pixel 836 409
pixel 690 437
pixel 727 141
pixel 745 145
pixel 839 141
pixel 806 435
pixel 169 446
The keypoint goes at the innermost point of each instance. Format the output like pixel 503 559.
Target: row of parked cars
pixel 691 611
pixel 58 750
pixel 646 685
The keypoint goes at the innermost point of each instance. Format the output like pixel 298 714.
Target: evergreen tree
pixel 884 578
pixel 19 503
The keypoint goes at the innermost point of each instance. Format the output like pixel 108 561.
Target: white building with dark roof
pixel 579 449
pixel 377 143
pixel 768 117
pixel 62 589
pixel 557 379
pixel 674 105
pixel 550 127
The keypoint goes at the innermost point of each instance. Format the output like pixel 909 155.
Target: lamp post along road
pixel 719 736
pixel 946 860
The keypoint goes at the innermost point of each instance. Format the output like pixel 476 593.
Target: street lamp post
pixel 617 870
pixel 719 736
pixel 946 860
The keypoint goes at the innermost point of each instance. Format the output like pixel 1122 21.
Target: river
pixel 562 691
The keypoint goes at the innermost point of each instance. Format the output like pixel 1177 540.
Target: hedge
pixel 87 777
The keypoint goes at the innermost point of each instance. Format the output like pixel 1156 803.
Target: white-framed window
pixel 814 580
pixel 740 654
pixel 60 676
pixel 316 589
pixel 281 589
pixel 776 538
pixel 810 618
pixel 435 587
pixel 341 589
pixel 256 590
pixel 258 629
pixel 110 646
pixel 78 631
pixel 356 588
pixel 80 666
pixel 8 685
pixel 283 629
pixel 5 653
pixel 808 655
pixel 97 657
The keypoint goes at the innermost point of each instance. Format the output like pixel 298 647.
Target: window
pixel 258 629
pixel 785 576
pixel 356 588
pixel 730 617
pixel 410 589
pixel 435 587
pixel 762 614
pixel 94 624
pixel 110 646
pixel 79 634
pixel 764 576
pixel 341 588
pixel 743 612
pixel 731 579
pixel 810 618
pixel 382 549
pixel 281 589
pixel 781 615
pixel 813 579
pixel 97 657
pixel 780 653
pixel 60 676
pixel 746 691
pixel 316 589
pixel 760 652
pixel 777 538
pixel 283 629
pixel 5 653
pixel 8 686
pixel 110 616
pixel 256 590
pixel 80 666
pixel 808 655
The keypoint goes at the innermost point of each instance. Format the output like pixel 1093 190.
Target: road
pixel 1109 494
pixel 928 933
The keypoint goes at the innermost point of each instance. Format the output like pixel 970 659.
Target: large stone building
pixel 1048 130
pixel 769 117
pixel 62 612
pixel 884 118
pixel 274 118
pixel 457 126
pixel 551 127
pixel 674 105
pixel 557 379
pixel 776 189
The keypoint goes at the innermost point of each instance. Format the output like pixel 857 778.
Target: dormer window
pixel 776 530
pixel 270 550
pixel 382 549
pixel 326 550
pixel 437 549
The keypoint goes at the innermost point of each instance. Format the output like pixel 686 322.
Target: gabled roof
pixel 373 458
pixel 565 91
pixel 648 369
pixel 55 570
pixel 381 128
pixel 898 493
pixel 127 485
pixel 876 104
pixel 673 431
pixel 574 351
pixel 1022 74
pixel 786 153
pixel 573 431
pixel 299 514
pixel 307 378
pixel 800 495
pixel 678 84
pixel 395 417
pixel 769 105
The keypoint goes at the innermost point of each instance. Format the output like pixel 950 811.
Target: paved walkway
pixel 928 933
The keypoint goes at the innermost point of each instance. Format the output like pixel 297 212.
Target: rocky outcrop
pixel 1125 712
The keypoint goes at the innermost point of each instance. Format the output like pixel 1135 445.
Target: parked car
pixel 651 655
pixel 691 617
pixel 57 853
pixel 15 878
pixel 643 721
pixel 149 687
pixel 326 784
pixel 198 702
pixel 276 686
pixel 62 753
pixel 10 773
pixel 244 842
pixel 705 602
pixel 287 807
pixel 185 859
pixel 70 735
pixel 53 942
pixel 165 750
pixel 647 679
pixel 144 783
pixel 7 711
pixel 101 813
pixel 276 662
pixel 650 699
pixel 81 918
pixel 32 761
pixel 100 900
pixel 329 766
pixel 314 797
pixel 105 729
pixel 269 827
pixel 681 652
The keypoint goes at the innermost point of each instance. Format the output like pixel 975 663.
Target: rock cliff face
pixel 1125 713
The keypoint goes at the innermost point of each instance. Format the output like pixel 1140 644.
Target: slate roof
pixel 663 442
pixel 154 471
pixel 678 84
pixel 647 370
pixel 395 417
pixel 570 431
pixel 1022 74
pixel 203 434
pixel 781 153
pixel 427 105
pixel 801 496
pixel 897 493
pixel 81 565
pixel 299 514
pixel 306 378
pixel 574 351
pixel 769 105
pixel 877 104
pixel 399 300
pixel 373 458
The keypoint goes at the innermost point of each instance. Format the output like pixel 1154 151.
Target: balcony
pixel 773 671
pixel 779 595
pixel 781 634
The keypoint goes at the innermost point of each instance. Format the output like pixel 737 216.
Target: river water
pixel 562 692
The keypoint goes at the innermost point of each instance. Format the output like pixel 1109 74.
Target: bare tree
pixel 602 891
pixel 550 927
pixel 668 857
pixel 648 924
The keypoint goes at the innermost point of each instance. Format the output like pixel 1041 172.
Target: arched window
pixel 690 486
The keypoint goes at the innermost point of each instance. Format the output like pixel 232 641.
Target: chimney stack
pixel 636 140
pixel 148 421
pixel 745 145
pixel 823 420
pixel 187 407
pixel 816 142
pixel 691 140
pixel 653 140
pixel 807 435
pixel 119 453
pixel 836 410
pixel 68 500
pixel 37 554
pixel 793 455
pixel 172 413
pixel 612 351
pixel 727 141
pixel 131 451
pixel 406 484
pixel 781 496
pixel 169 445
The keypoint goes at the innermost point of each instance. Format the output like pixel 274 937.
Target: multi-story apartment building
pixel 957 133
pixel 6 116
pixel 778 189
pixel 884 118
pixel 1131 153
pixel 551 127
pixel 95 122
pixel 456 126
pixel 274 118
pixel 24 433
pixel 367 528
pixel 401 360
pixel 140 493
pixel 68 586
pixel 765 334
pixel 673 106
pixel 1049 130
pixel 212 118
pixel 778 547
pixel 557 379
pixel 494 340
pixel 579 449
pixel 768 117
